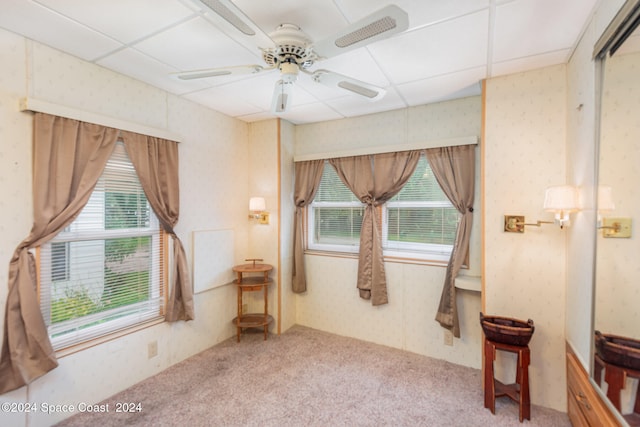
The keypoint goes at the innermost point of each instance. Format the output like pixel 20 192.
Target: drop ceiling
pixel 449 47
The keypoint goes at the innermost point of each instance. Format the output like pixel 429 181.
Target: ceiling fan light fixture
pixel 228 15
pixel 289 72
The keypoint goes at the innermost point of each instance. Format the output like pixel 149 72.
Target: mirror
pixel 617 272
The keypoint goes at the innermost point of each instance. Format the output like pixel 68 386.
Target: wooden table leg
pixel 524 358
pixel 239 318
pixel 489 385
pixel 266 312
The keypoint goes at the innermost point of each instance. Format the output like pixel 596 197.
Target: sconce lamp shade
pixel 561 198
pixel 605 199
pixel 257 204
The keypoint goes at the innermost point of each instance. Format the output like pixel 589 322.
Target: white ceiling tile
pixel 531 27
pixel 124 20
pixel 442 54
pixel 135 64
pixel 318 18
pixel 52 29
pixel 197 44
pixel 440 88
pixel 217 99
pixel 358 64
pixel 351 106
pixel 420 12
pixel 443 48
pixel 530 62
pixel 301 113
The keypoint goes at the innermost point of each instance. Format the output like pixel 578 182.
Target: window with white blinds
pixel 419 222
pixel 103 273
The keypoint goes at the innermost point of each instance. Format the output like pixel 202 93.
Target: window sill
pixel 469 283
pixel 391 259
pixel 106 338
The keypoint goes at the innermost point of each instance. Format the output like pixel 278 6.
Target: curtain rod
pixel 448 142
pixel 40 106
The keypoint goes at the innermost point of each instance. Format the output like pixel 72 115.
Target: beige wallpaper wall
pixel 287 145
pixel 214 161
pixel 263 182
pixel 525 152
pixel 331 302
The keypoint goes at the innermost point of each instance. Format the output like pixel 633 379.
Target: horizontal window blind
pixel 420 214
pixel 337 213
pixel 103 272
pixel 419 219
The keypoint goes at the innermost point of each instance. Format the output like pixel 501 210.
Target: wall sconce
pixel 611 227
pixel 257 206
pixel 560 199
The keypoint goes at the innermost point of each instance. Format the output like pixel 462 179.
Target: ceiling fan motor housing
pixel 292 46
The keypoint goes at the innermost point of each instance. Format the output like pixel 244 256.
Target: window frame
pixel 330 247
pixel 120 325
pixel 420 251
pixel 413 252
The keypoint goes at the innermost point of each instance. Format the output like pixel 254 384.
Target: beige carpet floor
pixel 305 377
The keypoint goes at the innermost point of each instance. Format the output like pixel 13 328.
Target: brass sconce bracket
pixel 616 227
pixel 516 224
pixel 262 217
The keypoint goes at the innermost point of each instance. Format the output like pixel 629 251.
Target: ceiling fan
pixel 291 51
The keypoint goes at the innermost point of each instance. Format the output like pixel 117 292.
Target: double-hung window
pixel 103 273
pixel 418 223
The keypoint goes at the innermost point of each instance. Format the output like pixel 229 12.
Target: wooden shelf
pixel 253 320
pixel 256 283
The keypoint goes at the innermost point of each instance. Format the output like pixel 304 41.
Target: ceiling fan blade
pixel 379 25
pixel 219 72
pixel 282 93
pixel 331 79
pixel 230 19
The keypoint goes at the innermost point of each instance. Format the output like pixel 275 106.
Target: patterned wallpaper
pixel 331 302
pixel 287 144
pixel 15 167
pixel 525 273
pixel 214 162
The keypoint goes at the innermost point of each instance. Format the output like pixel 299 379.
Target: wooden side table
pixel 245 282
pixel 518 391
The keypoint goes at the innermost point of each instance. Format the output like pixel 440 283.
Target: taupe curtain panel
pixel 374 179
pixel 454 169
pixel 307 180
pixel 68 158
pixel 156 163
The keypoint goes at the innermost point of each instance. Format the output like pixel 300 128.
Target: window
pixel 419 222
pixel 103 272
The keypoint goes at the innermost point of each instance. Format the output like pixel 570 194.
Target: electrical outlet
pixel 153 349
pixel 448 337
